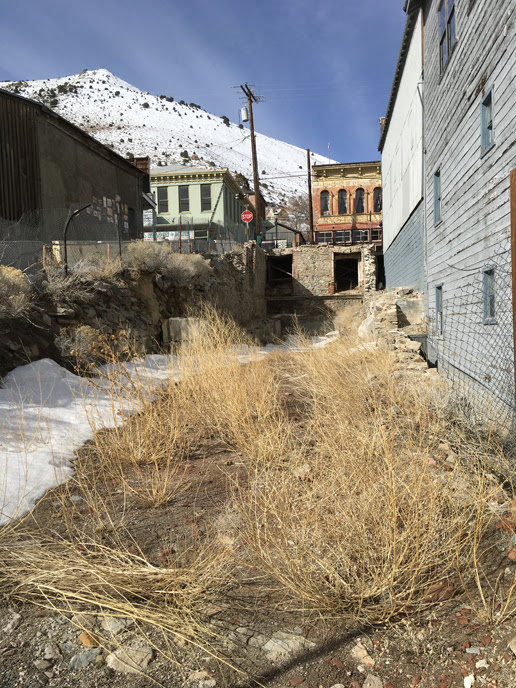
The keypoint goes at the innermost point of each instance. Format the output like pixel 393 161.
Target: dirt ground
pixel 263 638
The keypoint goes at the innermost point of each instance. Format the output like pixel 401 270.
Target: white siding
pixel 402 150
pixel 475 209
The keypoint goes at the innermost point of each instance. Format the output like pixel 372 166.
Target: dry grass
pixel 346 503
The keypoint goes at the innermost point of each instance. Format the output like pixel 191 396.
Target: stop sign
pixel 246 216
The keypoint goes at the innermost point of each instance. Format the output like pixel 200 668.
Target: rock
pixel 130 660
pixel 42 664
pixel 512 644
pixel 362 656
pixel 469 681
pixel 114 624
pixel 201 679
pixel 283 645
pixel 88 639
pixel 51 651
pixel 439 591
pixel 13 624
pixel 84 659
pixel 84 621
pixel 372 681
pixel 366 328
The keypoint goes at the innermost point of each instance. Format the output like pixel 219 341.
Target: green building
pixel 202 204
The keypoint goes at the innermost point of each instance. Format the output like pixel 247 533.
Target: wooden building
pixel 467 148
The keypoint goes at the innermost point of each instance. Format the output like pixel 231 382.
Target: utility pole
pixel 310 206
pixel 250 99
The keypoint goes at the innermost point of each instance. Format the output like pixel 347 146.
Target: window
pixel 205 196
pixel 437 196
pixel 184 199
pixel 377 200
pixel 325 203
pixel 447 38
pixel 489 296
pixel 324 236
pixel 359 201
pixel 343 202
pixel 487 122
pixel 439 309
pixel 343 236
pixel 162 199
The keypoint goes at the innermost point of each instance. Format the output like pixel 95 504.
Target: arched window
pixel 359 201
pixel 377 200
pixel 325 203
pixel 343 202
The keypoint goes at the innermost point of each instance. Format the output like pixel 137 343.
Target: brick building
pixel 347 199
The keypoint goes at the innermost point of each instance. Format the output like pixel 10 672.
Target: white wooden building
pixel 401 146
pixel 469 144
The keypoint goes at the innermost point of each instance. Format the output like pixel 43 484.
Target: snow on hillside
pixel 134 122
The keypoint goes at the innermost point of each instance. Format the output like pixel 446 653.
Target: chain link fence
pixel 38 236
pixel 471 333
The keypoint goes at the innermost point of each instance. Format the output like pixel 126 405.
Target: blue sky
pixel 323 67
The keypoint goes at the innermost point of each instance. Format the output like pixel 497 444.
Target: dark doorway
pixel 346 273
pixel 279 274
pixel 380 272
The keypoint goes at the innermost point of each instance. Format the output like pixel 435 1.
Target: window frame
pixel 437 197
pixel 184 201
pixel 324 241
pixel 489 295
pixel 342 199
pixel 162 202
pixel 326 195
pixel 439 319
pixel 377 195
pixel 447 32
pixel 362 199
pixel 487 141
pixel 206 200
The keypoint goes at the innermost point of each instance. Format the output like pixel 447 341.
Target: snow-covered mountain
pixel 134 122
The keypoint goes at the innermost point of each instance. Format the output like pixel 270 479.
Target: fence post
pixel 44 257
pixel 108 251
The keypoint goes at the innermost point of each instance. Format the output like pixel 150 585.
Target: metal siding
pixel 19 160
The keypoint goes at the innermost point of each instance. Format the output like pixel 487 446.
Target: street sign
pixel 247 216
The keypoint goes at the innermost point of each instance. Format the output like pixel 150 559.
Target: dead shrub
pixel 154 257
pixel 15 296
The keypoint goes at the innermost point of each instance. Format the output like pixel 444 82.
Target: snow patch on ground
pixel 48 413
